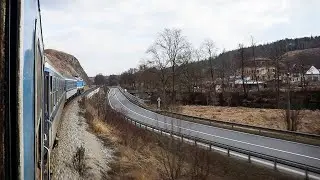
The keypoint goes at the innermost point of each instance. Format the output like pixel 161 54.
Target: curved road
pixel 297 152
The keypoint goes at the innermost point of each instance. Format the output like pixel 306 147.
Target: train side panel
pixel 32 69
pixel 71 88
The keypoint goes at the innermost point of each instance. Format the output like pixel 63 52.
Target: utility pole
pixel 288 102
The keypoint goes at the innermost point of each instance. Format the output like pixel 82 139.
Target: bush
pixel 79 161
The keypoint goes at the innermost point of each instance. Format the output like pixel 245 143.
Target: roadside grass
pixel 269 118
pixel 142 154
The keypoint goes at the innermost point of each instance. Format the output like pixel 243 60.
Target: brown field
pixel 269 118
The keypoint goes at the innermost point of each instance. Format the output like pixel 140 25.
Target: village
pixel 261 74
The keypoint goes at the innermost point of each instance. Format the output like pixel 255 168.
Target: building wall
pixel 263 73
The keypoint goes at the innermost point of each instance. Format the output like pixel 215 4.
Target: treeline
pixel 174 69
pixel 112 80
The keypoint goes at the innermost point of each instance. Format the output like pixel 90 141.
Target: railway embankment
pixel 79 154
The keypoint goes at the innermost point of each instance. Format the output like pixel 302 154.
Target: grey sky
pixel 111 36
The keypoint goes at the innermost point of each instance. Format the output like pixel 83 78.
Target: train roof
pixel 49 68
pixel 70 79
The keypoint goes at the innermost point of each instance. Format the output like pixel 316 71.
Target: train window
pixel 38 80
pixel 50 83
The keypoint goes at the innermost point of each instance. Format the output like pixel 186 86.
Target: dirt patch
pixel 269 118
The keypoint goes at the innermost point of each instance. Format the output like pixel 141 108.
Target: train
pixel 32 93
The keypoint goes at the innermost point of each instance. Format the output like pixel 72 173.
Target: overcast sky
pixel 111 36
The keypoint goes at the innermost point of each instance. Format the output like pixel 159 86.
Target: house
pixel 248 82
pixel 259 69
pixel 312 74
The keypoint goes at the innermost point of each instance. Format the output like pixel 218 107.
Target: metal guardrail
pixel 268 132
pixel 250 154
pixel 133 98
pixel 229 148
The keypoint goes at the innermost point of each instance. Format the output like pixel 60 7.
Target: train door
pixel 47 125
pixel 38 99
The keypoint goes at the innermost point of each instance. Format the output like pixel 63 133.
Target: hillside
pixel 307 57
pixel 66 64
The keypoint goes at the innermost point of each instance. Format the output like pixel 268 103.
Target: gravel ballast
pixel 73 133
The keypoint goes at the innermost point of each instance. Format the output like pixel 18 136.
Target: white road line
pixel 310 145
pixel 219 136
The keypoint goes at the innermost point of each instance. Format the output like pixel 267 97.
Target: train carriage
pixel 32 93
pixel 71 88
pixel 21 90
pixel 54 100
pixel 80 85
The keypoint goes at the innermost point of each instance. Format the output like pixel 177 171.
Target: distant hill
pixel 306 49
pixel 66 64
pixel 307 57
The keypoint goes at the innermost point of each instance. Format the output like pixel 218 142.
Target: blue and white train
pixel 32 93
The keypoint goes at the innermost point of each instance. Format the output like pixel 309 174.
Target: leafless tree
pixel 168 51
pixel 277 53
pixel 253 46
pixel 198 55
pixel 293 118
pixel 302 70
pixel 209 48
pixel 172 154
pixel 188 72
pixel 242 54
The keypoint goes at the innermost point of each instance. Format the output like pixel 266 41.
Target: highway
pixel 297 152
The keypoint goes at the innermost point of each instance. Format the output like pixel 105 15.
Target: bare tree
pixel 277 53
pixel 169 50
pixel 253 46
pixel 302 70
pixel 210 50
pixel 188 72
pixel 293 118
pixel 198 55
pixel 241 51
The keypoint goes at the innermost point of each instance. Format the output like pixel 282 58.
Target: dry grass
pixel 270 118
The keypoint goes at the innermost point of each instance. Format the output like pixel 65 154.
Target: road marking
pixel 310 145
pixel 219 136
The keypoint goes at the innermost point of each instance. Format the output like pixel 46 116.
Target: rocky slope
pixel 66 64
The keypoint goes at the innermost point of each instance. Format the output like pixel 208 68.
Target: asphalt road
pixel 297 152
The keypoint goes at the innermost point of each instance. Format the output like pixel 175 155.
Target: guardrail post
pixel 181 138
pixel 140 125
pixel 275 164
pixel 135 123
pixel 210 147
pixel 306 173
pixel 249 158
pixel 228 151
pixel 161 132
pixel 195 142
